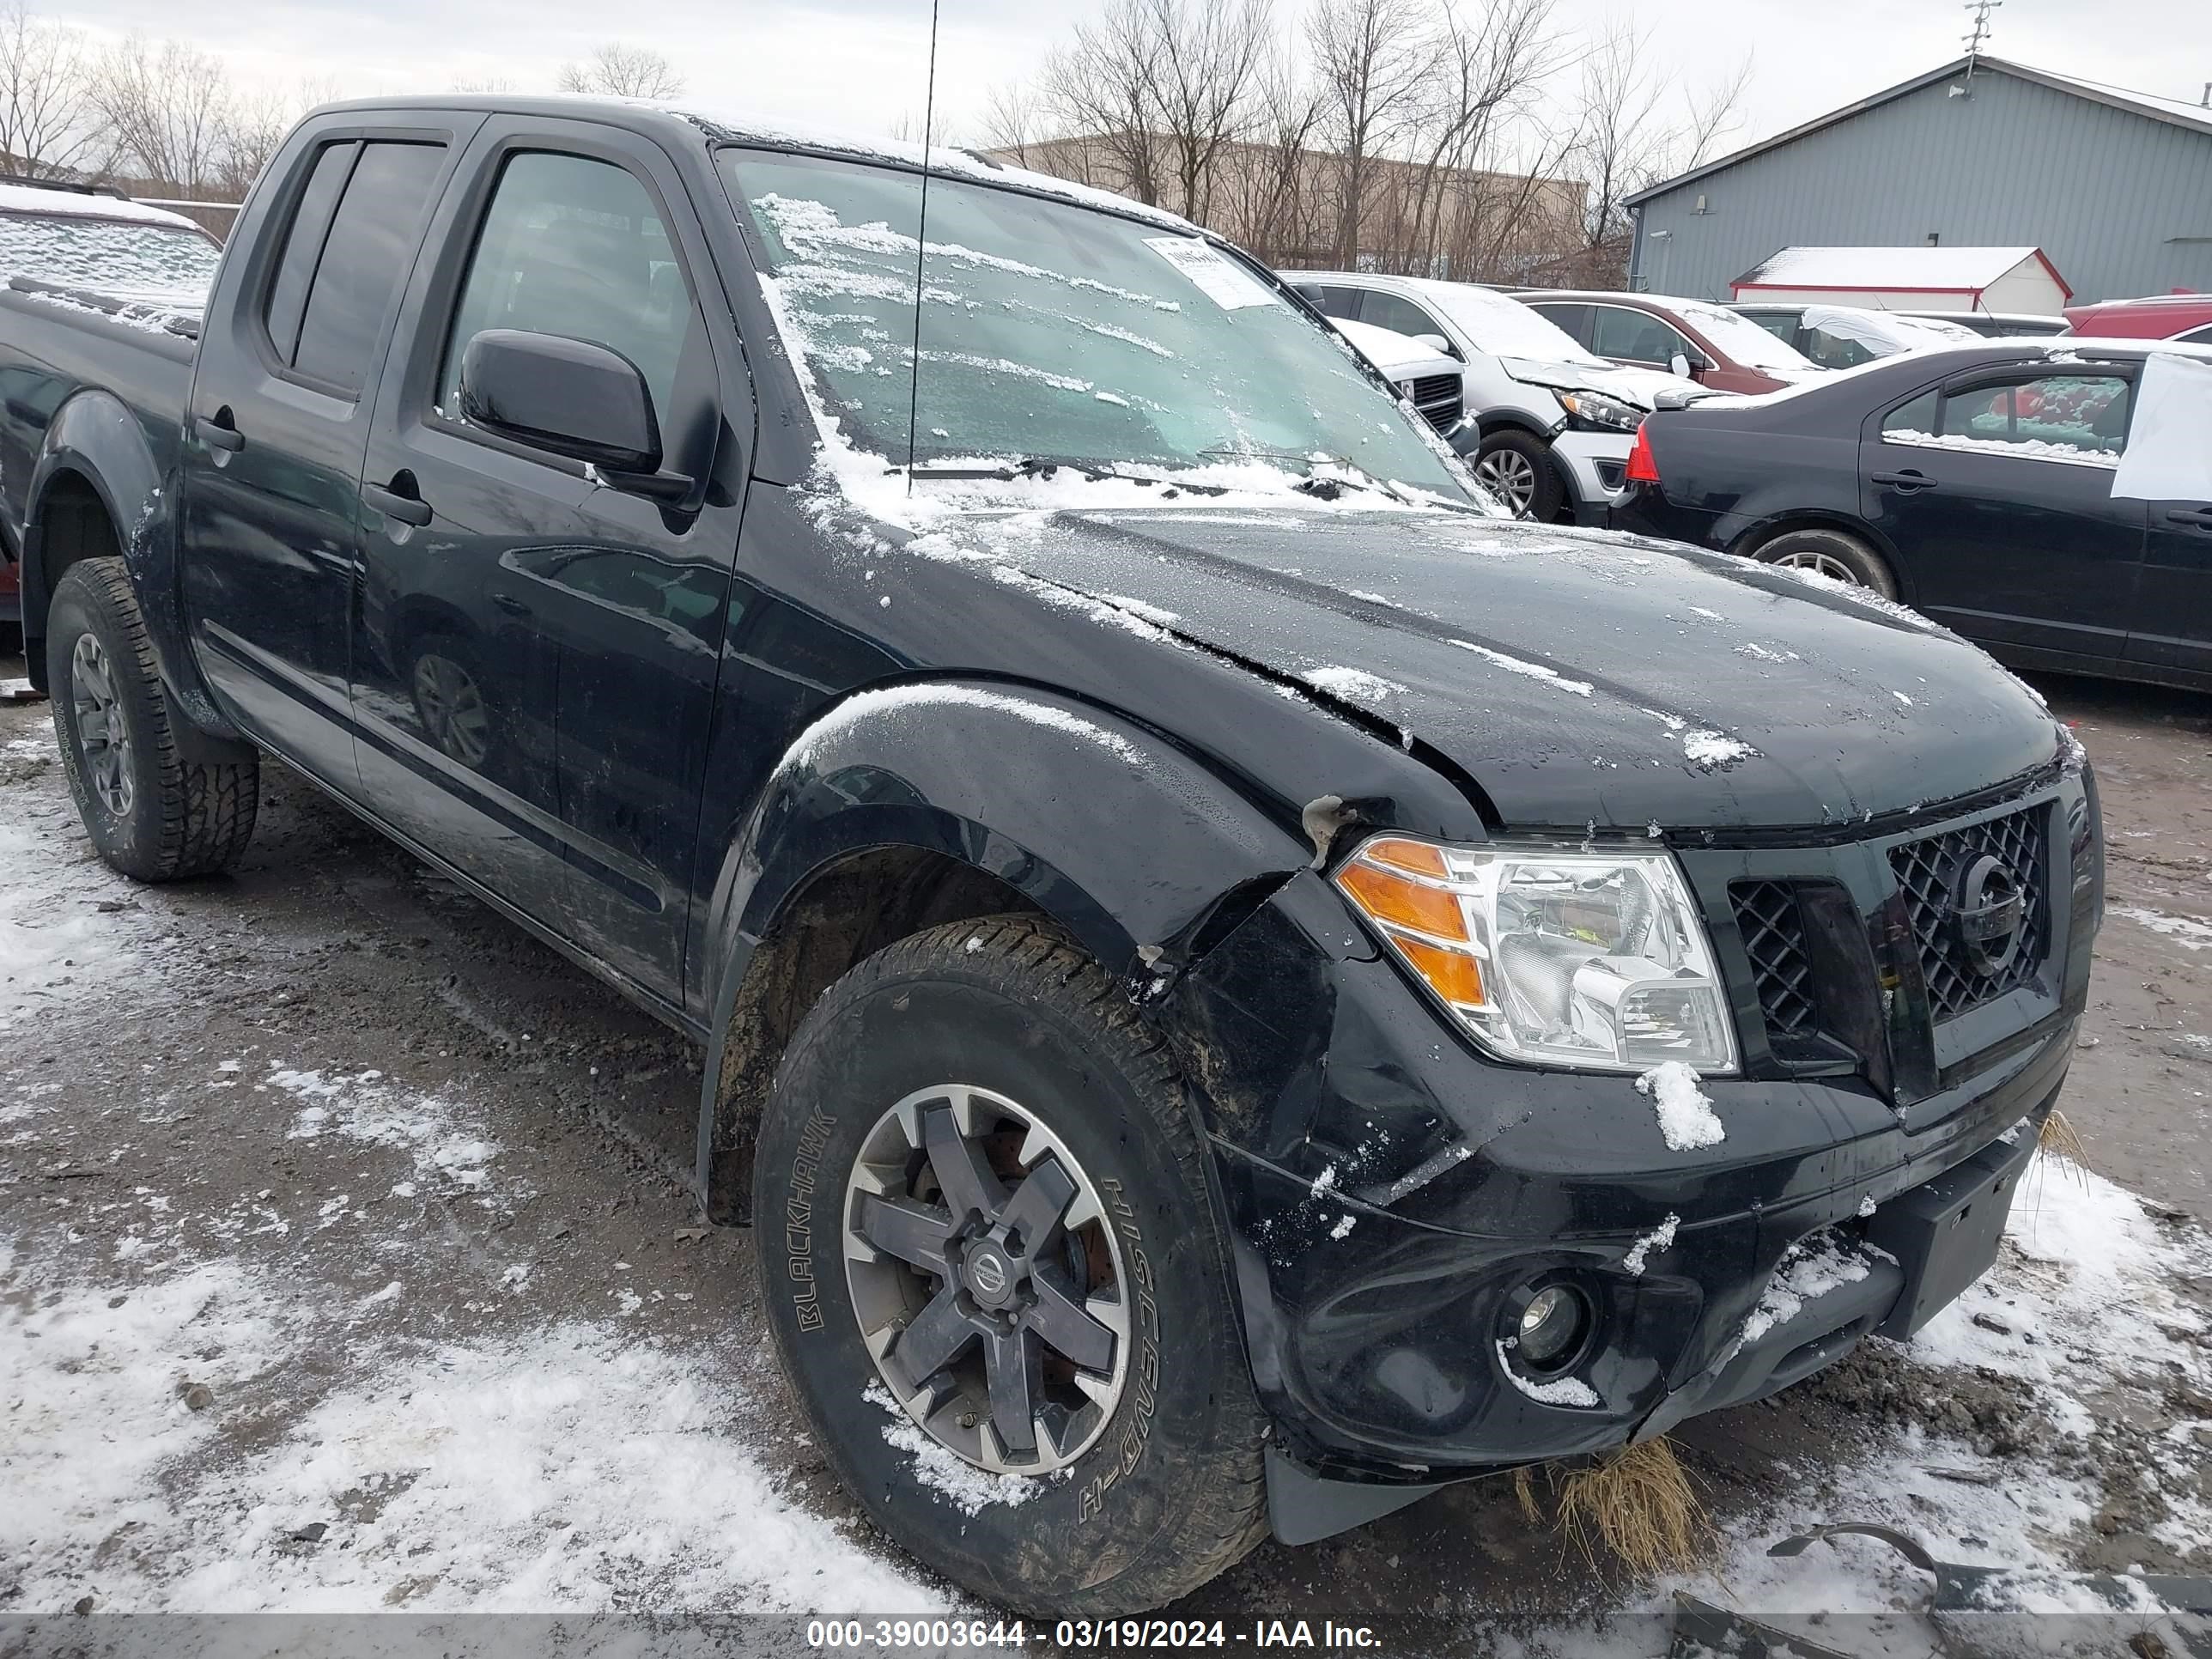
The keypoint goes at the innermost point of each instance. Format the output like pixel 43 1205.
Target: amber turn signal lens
pixel 1416 856
pixel 1452 975
pixel 1388 897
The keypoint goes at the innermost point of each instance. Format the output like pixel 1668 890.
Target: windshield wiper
pixel 1314 485
pixel 1043 466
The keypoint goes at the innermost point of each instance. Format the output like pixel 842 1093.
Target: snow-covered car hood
pixel 1638 388
pixel 1579 676
pixel 1399 356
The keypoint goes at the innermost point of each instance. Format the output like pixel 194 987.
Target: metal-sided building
pixel 2115 186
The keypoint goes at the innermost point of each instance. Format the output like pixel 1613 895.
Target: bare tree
pixel 1013 122
pixel 48 120
pixel 1100 87
pixel 1276 209
pixel 619 70
pixel 1369 56
pixel 167 111
pixel 1635 130
pixel 1205 62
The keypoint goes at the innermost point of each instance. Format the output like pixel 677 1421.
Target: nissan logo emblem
pixel 1986 902
pixel 987 1272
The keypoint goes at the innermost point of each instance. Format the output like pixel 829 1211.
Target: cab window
pixel 1398 314
pixel 575 247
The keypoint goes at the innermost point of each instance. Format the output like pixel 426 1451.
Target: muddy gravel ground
pixel 413 1129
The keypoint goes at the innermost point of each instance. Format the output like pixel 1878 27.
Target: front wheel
pixel 152 812
pixel 1517 468
pixel 993 1270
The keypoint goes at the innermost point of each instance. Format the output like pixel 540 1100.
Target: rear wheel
pixel 1517 468
pixel 1832 554
pixel 997 1280
pixel 151 812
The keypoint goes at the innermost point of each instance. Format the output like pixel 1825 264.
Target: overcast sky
pixel 859 64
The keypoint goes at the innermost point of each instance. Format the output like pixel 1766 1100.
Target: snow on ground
pixel 2187 932
pixel 67 922
pixel 572 1469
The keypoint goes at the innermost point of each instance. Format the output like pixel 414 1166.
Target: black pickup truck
pixel 1238 986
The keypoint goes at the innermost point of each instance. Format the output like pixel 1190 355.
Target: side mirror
pixel 1679 366
pixel 1437 343
pixel 566 397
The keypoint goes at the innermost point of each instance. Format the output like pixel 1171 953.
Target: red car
pixel 1703 342
pixel 2186 317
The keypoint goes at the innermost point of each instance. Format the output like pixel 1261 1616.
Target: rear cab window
pixel 350 242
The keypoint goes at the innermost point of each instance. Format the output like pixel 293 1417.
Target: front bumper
pixel 1596 466
pixel 1389 1188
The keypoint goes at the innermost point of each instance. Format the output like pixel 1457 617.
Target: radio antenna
pixel 921 249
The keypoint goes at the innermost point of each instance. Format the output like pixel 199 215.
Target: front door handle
pixel 2201 517
pixel 1906 482
pixel 218 433
pixel 407 509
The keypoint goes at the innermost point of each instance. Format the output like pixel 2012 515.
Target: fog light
pixel 1551 1326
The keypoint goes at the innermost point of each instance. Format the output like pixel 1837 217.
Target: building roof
pixel 2172 111
pixel 1910 269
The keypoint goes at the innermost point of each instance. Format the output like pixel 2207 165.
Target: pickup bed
pixel 1238 985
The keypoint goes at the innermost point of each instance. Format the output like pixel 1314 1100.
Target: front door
pixel 280 415
pixel 1996 493
pixel 536 660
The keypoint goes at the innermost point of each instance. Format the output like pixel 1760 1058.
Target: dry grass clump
pixel 1639 1503
pixel 2061 1140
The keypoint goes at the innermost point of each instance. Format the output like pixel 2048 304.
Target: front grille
pixel 1438 396
pixel 1927 875
pixel 1773 930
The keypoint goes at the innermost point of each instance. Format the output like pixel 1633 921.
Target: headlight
pixel 1593 410
pixel 1592 960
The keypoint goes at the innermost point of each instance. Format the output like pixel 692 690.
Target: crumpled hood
pixel 1579 676
pixel 1640 388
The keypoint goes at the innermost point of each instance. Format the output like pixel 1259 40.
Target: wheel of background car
pixel 1832 553
pixel 151 813
pixel 992 1269
pixel 1517 468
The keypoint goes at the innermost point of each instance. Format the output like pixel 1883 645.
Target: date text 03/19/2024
pixel 1080 1635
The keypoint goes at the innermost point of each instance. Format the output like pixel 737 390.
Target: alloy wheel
pixel 1825 564
pixel 1509 475
pixel 987 1278
pixel 452 709
pixel 103 736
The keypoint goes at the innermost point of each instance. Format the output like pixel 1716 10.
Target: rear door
pixel 279 420
pixel 1996 491
pixel 537 651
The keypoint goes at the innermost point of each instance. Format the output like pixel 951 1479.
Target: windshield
pixel 1054 332
pixel 77 251
pixel 1738 337
pixel 1505 327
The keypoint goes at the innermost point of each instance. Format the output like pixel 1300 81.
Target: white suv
pixel 1554 423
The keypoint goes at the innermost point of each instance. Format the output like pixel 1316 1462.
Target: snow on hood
pixel 69 204
pixel 1398 356
pixel 1580 676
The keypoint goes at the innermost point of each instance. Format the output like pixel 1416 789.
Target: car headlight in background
pixel 1587 959
pixel 1593 411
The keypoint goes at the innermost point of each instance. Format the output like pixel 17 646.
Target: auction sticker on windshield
pixel 1220 280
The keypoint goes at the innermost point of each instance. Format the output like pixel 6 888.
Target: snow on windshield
pixel 1738 336
pixel 1503 327
pixel 1051 332
pixel 75 250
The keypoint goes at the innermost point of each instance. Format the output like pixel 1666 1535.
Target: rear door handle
pixel 1906 481
pixel 2201 517
pixel 407 509
pixel 218 433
